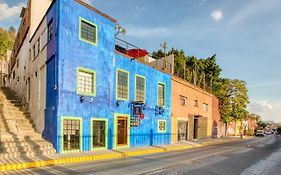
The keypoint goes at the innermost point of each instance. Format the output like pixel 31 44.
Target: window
pixel 161 94
pixel 50 30
pixel 162 126
pixel 122 84
pixel 88 32
pixel 71 134
pixel 18 62
pixel 33 51
pixel 195 103
pixel 183 100
pixel 44 38
pixel 38 46
pixel 99 131
pixel 206 107
pixel 14 74
pixel 86 82
pixel 140 88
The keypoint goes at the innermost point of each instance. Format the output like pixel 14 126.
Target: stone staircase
pixel 17 134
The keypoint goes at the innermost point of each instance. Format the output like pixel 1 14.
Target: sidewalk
pixel 57 159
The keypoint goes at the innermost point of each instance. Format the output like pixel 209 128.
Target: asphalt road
pixel 260 156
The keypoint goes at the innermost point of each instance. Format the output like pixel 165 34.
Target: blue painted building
pixel 98 97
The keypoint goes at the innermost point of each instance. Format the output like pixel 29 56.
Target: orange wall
pixel 181 87
pixel 179 112
pixel 216 119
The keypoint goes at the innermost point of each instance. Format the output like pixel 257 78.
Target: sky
pixel 245 35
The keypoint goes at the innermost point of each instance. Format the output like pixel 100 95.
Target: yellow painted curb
pixel 42 163
pixel 36 164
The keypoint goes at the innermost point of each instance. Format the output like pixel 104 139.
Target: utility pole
pixel 184 68
pixel 164 46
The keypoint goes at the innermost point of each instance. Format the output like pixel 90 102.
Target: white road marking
pixel 243 150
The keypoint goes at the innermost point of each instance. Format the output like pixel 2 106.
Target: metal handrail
pixel 137 53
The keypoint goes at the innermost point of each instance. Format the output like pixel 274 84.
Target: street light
pixel 120 29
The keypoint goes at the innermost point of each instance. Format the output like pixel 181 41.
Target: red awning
pixel 136 53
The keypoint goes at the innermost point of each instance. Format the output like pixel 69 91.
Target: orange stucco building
pixel 192 112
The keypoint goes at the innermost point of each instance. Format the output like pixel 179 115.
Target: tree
pixel 261 125
pixel 200 72
pixel 12 31
pixel 205 73
pixel 233 98
pixel 6 42
pixel 222 91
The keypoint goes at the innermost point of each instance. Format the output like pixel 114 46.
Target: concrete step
pixel 18 136
pixel 26 154
pixel 39 142
pixel 15 115
pixel 21 138
pixel 17 139
pixel 26 148
pixel 21 120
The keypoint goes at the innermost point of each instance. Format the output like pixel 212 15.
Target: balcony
pixel 165 64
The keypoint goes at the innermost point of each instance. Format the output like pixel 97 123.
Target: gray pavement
pixel 259 156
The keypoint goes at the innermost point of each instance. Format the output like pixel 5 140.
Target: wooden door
pixel 122 131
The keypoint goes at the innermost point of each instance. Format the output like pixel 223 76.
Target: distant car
pixel 260 133
pixel 267 132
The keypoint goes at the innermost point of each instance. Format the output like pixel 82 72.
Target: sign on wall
pixel 137 114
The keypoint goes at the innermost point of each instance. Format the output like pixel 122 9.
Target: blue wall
pixel 73 53
pixel 50 130
pixel 141 135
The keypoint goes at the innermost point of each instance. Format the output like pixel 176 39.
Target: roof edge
pixel 96 10
pixel 180 80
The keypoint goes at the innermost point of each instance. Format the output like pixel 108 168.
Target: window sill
pixel 86 94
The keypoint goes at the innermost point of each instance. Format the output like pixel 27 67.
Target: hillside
pixel 7 39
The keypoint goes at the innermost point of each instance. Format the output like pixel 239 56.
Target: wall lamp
pixel 83 99
pixel 118 103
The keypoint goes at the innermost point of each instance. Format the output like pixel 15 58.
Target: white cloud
pixel 87 1
pixel 253 8
pixel 148 31
pixel 217 15
pixel 7 12
pixel 267 110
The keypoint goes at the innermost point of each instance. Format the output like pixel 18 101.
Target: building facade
pixel 217 125
pixel 191 111
pixel 84 91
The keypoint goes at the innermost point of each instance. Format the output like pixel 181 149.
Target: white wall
pixel 38 10
pixel 19 82
pixel 37 75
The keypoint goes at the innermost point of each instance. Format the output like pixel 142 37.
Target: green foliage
pixel 205 73
pixel 233 97
pixel 250 132
pixel 201 72
pixel 261 125
pixel 7 39
pixel 222 91
pixel 279 130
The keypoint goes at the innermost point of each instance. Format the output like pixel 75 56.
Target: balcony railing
pixel 142 55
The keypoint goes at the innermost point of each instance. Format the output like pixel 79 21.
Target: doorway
pixel 196 126
pixel 182 130
pixel 122 131
pixel 99 133
pixel 28 90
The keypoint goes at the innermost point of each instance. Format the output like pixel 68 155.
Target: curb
pixel 37 164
